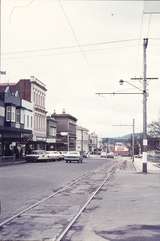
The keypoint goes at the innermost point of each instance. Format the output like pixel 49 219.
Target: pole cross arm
pixel 119 93
pixel 153 78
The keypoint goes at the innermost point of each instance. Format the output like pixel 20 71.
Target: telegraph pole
pixel 145 95
pixel 133 139
pixel 145 141
pixel 0 38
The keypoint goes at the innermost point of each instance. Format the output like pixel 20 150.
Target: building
pixel 66 131
pixel 51 133
pixel 34 91
pixel 15 130
pixel 2 119
pixel 93 143
pixel 82 139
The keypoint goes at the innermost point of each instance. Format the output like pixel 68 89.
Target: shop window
pixel 17 115
pixel 31 122
pixel 13 114
pixel 8 113
pixel 27 121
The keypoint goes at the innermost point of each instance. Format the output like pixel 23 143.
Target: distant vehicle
pixel 36 155
pixel 121 149
pixel 104 154
pixel 62 153
pixel 85 154
pixel 110 155
pixel 73 156
pixel 54 155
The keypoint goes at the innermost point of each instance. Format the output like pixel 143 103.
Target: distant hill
pixel 125 138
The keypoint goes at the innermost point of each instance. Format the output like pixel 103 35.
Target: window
pixel 13 114
pixel 8 113
pixel 27 121
pixel 17 115
pixel 31 122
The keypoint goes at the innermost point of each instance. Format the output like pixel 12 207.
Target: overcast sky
pixel 66 45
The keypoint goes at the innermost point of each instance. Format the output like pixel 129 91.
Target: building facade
pixel 66 132
pixel 51 133
pixel 38 96
pixel 14 134
pixel 82 139
pixel 34 91
pixel 93 143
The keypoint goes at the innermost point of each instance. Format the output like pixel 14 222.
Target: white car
pixel 36 155
pixel 104 154
pixel 110 155
pixel 53 155
pixel 73 156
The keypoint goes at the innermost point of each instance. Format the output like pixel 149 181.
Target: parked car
pixel 103 154
pixel 73 156
pixel 110 155
pixel 36 155
pixel 53 155
pixel 62 153
pixel 85 154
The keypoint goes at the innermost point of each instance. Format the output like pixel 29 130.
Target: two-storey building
pixel 51 133
pixel 66 131
pixel 34 91
pixel 14 134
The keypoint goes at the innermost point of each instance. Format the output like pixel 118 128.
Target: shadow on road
pixel 132 233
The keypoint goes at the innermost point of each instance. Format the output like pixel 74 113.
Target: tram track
pixel 60 212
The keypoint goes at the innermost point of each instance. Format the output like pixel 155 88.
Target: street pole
pixel 133 142
pixel 144 164
pixel 68 141
pixel 0 38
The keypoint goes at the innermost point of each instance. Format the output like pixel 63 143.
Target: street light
pixel 144 93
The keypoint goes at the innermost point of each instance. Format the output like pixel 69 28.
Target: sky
pixel 78 48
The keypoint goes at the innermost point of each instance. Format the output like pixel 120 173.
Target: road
pixel 22 185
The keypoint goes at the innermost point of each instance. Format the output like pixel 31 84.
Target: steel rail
pixel 65 231
pixel 8 220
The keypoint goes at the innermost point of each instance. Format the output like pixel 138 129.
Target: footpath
pixel 11 162
pixel 128 209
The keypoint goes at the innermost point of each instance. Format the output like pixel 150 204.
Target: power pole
pixel 0 38
pixel 145 142
pixel 145 95
pixel 133 139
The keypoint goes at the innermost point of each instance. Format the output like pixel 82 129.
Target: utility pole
pixel 0 38
pixel 145 95
pixel 145 144
pixel 133 140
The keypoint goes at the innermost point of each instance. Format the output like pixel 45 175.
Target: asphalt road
pixel 22 185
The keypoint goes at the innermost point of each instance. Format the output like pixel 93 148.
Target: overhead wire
pixel 68 53
pixel 69 47
pixel 73 31
pixel 19 6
